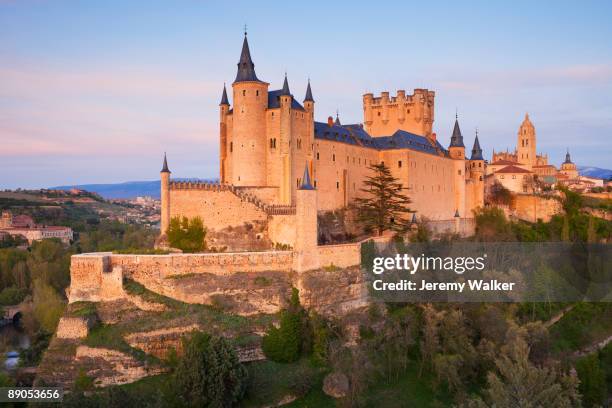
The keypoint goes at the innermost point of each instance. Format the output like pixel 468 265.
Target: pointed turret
pixel 476 150
pixel 165 166
pixel 285 91
pixel 224 100
pixel 246 68
pixel 456 138
pixel 306 185
pixel 308 97
pixel 337 121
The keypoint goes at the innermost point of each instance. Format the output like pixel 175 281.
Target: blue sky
pixel 97 91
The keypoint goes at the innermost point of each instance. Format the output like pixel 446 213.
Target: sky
pixel 96 92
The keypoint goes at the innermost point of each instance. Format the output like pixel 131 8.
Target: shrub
pixel 286 343
pixel 12 295
pixel 187 234
pixel 592 380
pixel 209 373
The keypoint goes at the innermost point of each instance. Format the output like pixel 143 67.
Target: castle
pixel 272 150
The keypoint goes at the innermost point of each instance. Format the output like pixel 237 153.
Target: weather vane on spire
pixel 245 29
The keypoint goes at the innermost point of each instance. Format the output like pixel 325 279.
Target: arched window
pixel 244 92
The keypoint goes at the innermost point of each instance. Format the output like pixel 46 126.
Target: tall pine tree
pixel 385 206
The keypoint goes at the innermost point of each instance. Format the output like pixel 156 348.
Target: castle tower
pixel 248 144
pixel 457 152
pixel 286 145
pixel 223 111
pixel 165 196
pixel 305 250
pixel 526 143
pixel 477 172
pixel 456 147
pixel 309 105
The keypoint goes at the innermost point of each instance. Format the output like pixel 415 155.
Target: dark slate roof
pixel 568 159
pixel 456 138
pixel 356 135
pixel 476 150
pixel 165 166
pixel 224 100
pixel 308 97
pixel 285 90
pixel 306 185
pixel 246 68
pixel 274 101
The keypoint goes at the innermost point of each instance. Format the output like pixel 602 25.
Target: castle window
pixel 275 143
pixel 378 113
pixel 479 164
pixel 244 93
pixel 399 163
pixel 231 147
pixel 334 157
pixel 315 183
pixel 513 176
pixel 317 155
pixel 480 178
pixel 337 185
pixel 459 172
pixel 256 93
pixel 408 111
pixel 297 182
pixel 272 114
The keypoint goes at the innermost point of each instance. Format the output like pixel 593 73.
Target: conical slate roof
pixel 476 150
pixel 285 91
pixel 308 97
pixel 224 100
pixel 165 166
pixel 306 185
pixel 568 159
pixel 456 138
pixel 246 68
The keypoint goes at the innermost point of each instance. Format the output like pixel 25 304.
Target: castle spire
pixel 337 121
pixel 306 185
pixel 224 100
pixel 457 137
pixel 285 90
pixel 165 166
pixel 246 68
pixel 308 97
pixel 476 150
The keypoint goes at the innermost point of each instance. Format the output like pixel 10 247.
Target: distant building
pixel 24 225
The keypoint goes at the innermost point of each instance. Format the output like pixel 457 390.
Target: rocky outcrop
pixel 74 327
pixel 159 342
pixel 112 367
pixel 336 385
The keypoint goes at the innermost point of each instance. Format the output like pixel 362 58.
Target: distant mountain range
pixel 132 189
pixel 129 189
pixel 595 172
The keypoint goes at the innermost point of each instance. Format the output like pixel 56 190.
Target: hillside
pixel 128 189
pixel 595 172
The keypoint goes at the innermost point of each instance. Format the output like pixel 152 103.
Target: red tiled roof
pixel 512 169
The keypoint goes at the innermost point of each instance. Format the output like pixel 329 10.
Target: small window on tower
pixel 231 147
pixel 459 172
pixel 244 93
pixel 337 185
pixel 256 93
pixel 399 163
pixel 334 157
pixel 317 155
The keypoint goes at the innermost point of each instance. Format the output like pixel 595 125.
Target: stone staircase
pixel 270 209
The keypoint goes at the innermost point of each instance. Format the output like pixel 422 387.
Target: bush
pixel 209 373
pixel 286 343
pixel 592 380
pixel 12 296
pixel 187 234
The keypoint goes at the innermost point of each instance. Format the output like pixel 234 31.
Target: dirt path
pixel 558 316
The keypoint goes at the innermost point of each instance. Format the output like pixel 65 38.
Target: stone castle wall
pixel 532 208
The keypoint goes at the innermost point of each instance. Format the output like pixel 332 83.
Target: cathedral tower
pixel 248 144
pixel 526 143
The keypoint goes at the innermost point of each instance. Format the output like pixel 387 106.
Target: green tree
pixel 286 342
pixel 208 374
pixel 187 234
pixel 517 382
pixel 592 380
pixel 385 206
pixel 48 305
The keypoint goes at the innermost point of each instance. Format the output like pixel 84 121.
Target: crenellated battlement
pixel 385 114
